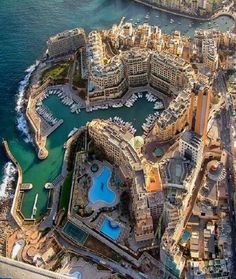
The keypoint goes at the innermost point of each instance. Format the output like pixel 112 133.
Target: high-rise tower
pixel 199 121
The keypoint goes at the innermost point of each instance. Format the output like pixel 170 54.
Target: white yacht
pixel 72 132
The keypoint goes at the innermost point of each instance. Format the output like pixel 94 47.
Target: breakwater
pixel 18 195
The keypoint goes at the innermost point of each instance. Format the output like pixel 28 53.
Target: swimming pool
pixel 110 229
pixel 100 191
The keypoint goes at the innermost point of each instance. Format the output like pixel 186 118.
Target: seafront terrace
pixel 223 12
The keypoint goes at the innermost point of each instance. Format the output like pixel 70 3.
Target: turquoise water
pixel 185 236
pixel 24 28
pixel 110 229
pixel 100 190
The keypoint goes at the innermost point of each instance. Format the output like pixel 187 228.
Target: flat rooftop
pixel 13 269
pixel 176 171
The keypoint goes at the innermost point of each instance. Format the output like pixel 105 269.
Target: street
pixel 128 272
pixel 226 114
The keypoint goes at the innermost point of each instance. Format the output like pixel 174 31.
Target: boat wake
pixel 21 121
pixel 8 179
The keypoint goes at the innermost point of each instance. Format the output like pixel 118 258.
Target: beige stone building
pixel 108 80
pixel 136 63
pixel 168 70
pixel 174 119
pixel 66 42
pixel 210 54
pixel 117 144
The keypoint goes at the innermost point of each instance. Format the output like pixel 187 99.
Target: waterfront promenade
pixel 132 90
pixel 225 12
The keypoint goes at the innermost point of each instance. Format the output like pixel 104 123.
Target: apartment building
pixel 66 42
pixel 171 256
pixel 168 70
pixel 210 54
pixel 174 119
pixel 136 63
pixel 106 79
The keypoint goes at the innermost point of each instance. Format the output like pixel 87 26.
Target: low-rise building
pixel 217 268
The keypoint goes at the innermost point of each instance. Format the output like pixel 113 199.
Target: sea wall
pixel 17 199
pixel 18 195
pixel 35 121
pixel 178 13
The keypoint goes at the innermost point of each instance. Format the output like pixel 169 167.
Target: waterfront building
pixel 106 78
pixel 194 6
pixel 136 63
pixel 201 34
pixel 116 143
pixel 203 8
pixel 141 60
pixel 168 71
pixel 125 36
pixel 66 42
pixel 174 119
pixel 127 29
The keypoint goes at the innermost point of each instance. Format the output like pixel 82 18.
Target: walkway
pixel 48 220
pixel 165 99
pixel 226 12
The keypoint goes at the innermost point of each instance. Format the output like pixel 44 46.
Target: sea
pixel 24 28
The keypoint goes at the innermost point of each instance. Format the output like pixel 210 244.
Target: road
pixel 127 272
pixel 226 115
pixel 193 198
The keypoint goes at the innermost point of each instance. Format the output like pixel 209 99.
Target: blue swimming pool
pixel 110 229
pixel 100 190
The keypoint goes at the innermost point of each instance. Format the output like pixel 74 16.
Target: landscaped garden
pixel 57 72
pixel 65 192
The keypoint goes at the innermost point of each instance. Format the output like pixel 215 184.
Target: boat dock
pixel 34 210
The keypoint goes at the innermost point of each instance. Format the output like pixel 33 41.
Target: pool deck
pixel 113 217
pixel 101 204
